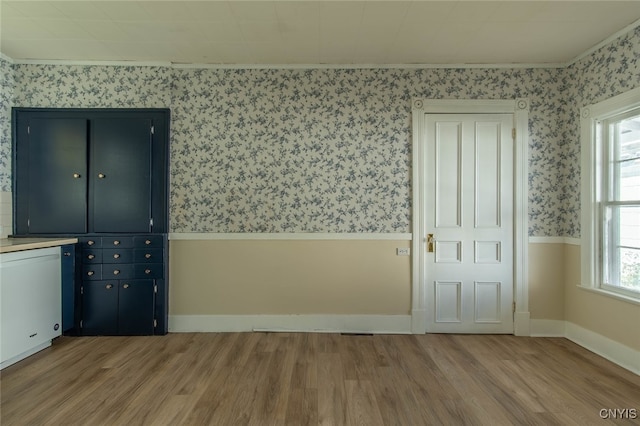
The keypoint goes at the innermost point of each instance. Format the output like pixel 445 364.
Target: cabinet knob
pixel 101 175
pixel 147 256
pixel 90 257
pixel 90 273
pixel 76 175
pixel 90 242
pixel 116 256
pixel 116 272
pixel 116 243
pixel 125 286
pixel 147 271
pixel 109 286
pixel 147 242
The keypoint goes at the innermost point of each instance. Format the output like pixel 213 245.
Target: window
pixel 621 201
pixel 611 196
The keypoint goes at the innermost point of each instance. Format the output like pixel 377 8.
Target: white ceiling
pixel 310 32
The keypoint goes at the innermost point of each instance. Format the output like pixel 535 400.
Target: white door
pixel 469 211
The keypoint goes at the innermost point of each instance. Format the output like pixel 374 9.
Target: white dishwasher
pixel 30 305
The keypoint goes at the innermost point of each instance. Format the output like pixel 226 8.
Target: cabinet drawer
pixel 117 242
pixel 117 271
pixel 149 270
pixel 91 256
pixel 117 256
pixel 151 255
pixel 92 272
pixel 148 241
pixel 90 242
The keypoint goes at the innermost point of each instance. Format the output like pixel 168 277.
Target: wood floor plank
pixel 315 379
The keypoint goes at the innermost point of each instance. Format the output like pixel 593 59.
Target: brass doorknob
pixel 147 256
pixel 116 272
pixel 90 257
pixel 116 256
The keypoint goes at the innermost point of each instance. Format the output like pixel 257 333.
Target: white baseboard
pixel 547 328
pixel 376 324
pixel 615 352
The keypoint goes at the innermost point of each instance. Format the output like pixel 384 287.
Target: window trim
pixel 590 217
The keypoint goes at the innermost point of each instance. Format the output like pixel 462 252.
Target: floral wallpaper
pixel 610 71
pixel 7 85
pixel 329 150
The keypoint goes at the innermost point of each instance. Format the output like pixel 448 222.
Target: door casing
pixel 520 109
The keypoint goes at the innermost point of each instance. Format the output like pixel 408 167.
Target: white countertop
pixel 8 245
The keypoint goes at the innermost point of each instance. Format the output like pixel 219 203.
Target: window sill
pixel 611 294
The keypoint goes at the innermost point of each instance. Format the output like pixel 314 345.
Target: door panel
pixel 136 307
pixel 469 205
pixel 121 175
pixel 100 307
pixel 57 179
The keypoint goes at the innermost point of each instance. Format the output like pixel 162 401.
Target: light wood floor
pixel 311 379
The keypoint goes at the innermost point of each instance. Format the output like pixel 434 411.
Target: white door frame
pixel 520 110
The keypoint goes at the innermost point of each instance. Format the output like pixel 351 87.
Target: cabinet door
pixel 57 175
pixel 120 186
pixel 136 307
pixel 100 308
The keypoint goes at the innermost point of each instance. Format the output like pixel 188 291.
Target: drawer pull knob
pixel 90 273
pixel 101 175
pixel 125 286
pixel 147 256
pixel 76 175
pixel 116 243
pixel 91 257
pixel 116 272
pixel 116 256
pixel 109 286
pixel 147 242
pixel 90 242
pixel 147 271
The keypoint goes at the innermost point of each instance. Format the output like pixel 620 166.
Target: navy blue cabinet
pixel 123 284
pixel 100 175
pixel 90 171
pixel 68 287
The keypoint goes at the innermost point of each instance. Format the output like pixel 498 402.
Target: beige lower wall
pixel 280 277
pixel 616 319
pixel 546 281
pixel 364 277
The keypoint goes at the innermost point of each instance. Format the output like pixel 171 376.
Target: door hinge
pixel 81 290
pixel 28 130
pixel 514 307
pixel 151 222
pixel 28 223
pixel 80 323
pixel 513 133
pixel 155 323
pixel 155 288
pixel 153 130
